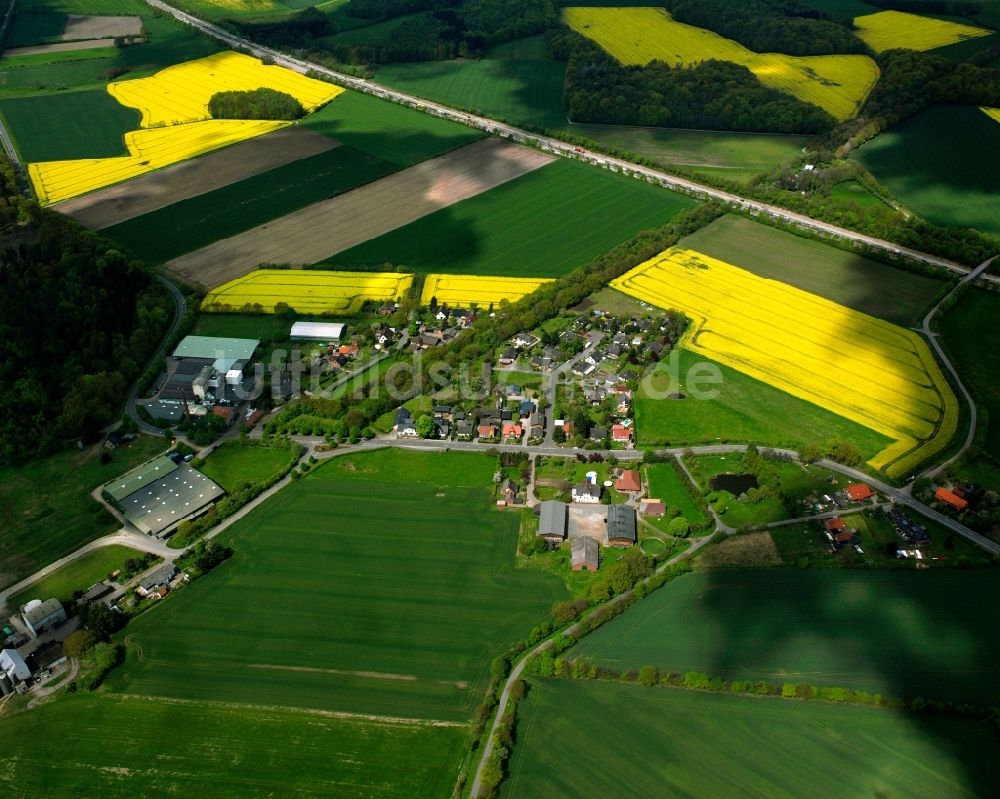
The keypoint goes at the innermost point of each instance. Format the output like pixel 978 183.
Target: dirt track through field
pixel 334 225
pixel 187 179
pixel 60 47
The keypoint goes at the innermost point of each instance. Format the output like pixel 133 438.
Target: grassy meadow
pixel 733 156
pixel 663 483
pixel 197 222
pixel 48 511
pixel 78 575
pixel 631 742
pixel 109 746
pixel 358 590
pixel 231 465
pixel 941 164
pixel 528 227
pixel 898 633
pixel 847 278
pixel 745 409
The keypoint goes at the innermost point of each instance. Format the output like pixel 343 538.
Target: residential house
pixel 552 521
pixel 615 350
pixel 598 433
pixel 510 490
pixel 583 368
pixel 525 340
pixel 430 339
pixel 621 434
pixel 506 415
pixel 587 493
pixel 512 430
pixel 387 309
pixel 621 526
pixel 585 555
pixel 487 431
pixel 527 407
pixel 857 492
pixel 442 427
pixel 950 498
pixel 652 507
pixel 507 357
pixel 40 617
pixel 158 579
pixel 403 424
pixel 465 430
pixel 443 412
pixel 629 482
pixel 536 423
pixel 95 592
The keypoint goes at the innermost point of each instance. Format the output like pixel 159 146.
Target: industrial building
pixel 160 494
pixel 326 332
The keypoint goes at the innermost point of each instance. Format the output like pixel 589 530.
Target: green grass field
pixel 78 575
pixel 231 465
pixel 86 124
pixel 382 584
pixel 579 738
pixel 32 28
pixel 663 483
pixel 942 164
pixel 856 193
pixel 197 222
pixel 518 82
pixel 745 410
pixel 898 633
pixel 388 131
pixel 146 747
pixel 529 227
pixel 847 278
pixel 734 156
pixel 969 329
pixel 48 511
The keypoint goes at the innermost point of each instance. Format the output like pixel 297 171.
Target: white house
pixel 587 493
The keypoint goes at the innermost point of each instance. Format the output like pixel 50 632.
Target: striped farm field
pixel 836 83
pixel 307 290
pixel 175 123
pixel 478 290
pixel 890 29
pixel 864 369
pixel 992 113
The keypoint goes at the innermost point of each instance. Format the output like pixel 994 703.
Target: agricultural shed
pixel 139 478
pixel 621 526
pixel 585 555
pixel 317 331
pixel 949 497
pixel 157 496
pixel 552 520
pixel 12 665
pixel 223 352
pixel 40 617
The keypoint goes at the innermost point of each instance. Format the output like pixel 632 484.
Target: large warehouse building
pixel 160 494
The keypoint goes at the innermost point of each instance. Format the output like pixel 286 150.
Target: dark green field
pixel 943 164
pixel 898 633
pixel 55 127
pixel 31 28
pixel 518 82
pixel 847 278
pixel 745 410
pixel 373 595
pixel 190 224
pixel 543 224
pixel 388 131
pixel 112 746
pixel 734 156
pixel 47 508
pixel 586 738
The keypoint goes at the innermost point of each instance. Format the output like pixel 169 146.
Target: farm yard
pixel 481 291
pixel 685 743
pixel 197 177
pixel 225 746
pixel 898 633
pixel 176 123
pixel 526 228
pixel 307 291
pixel 318 231
pixel 745 409
pixel 352 595
pixel 838 84
pixel 887 30
pixel 800 343
pixel 942 164
pixel 846 278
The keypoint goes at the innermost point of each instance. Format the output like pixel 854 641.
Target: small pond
pixel 735 484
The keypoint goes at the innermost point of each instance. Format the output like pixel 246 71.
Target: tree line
pixel 260 103
pixel 78 321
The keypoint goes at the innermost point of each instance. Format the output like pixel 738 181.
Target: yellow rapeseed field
pixel 180 93
pixel 175 121
pixel 150 149
pixel 867 370
pixel 992 113
pixel 478 290
pixel 836 83
pixel 888 29
pixel 307 290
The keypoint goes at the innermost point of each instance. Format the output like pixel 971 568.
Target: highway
pixel 559 147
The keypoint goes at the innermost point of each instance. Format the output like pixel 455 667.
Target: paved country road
pixel 556 145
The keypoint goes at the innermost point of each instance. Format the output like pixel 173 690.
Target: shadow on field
pixel 904 634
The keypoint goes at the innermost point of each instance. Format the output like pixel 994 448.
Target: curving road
pixel 557 146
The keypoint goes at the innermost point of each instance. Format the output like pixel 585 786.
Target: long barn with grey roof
pixel 552 518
